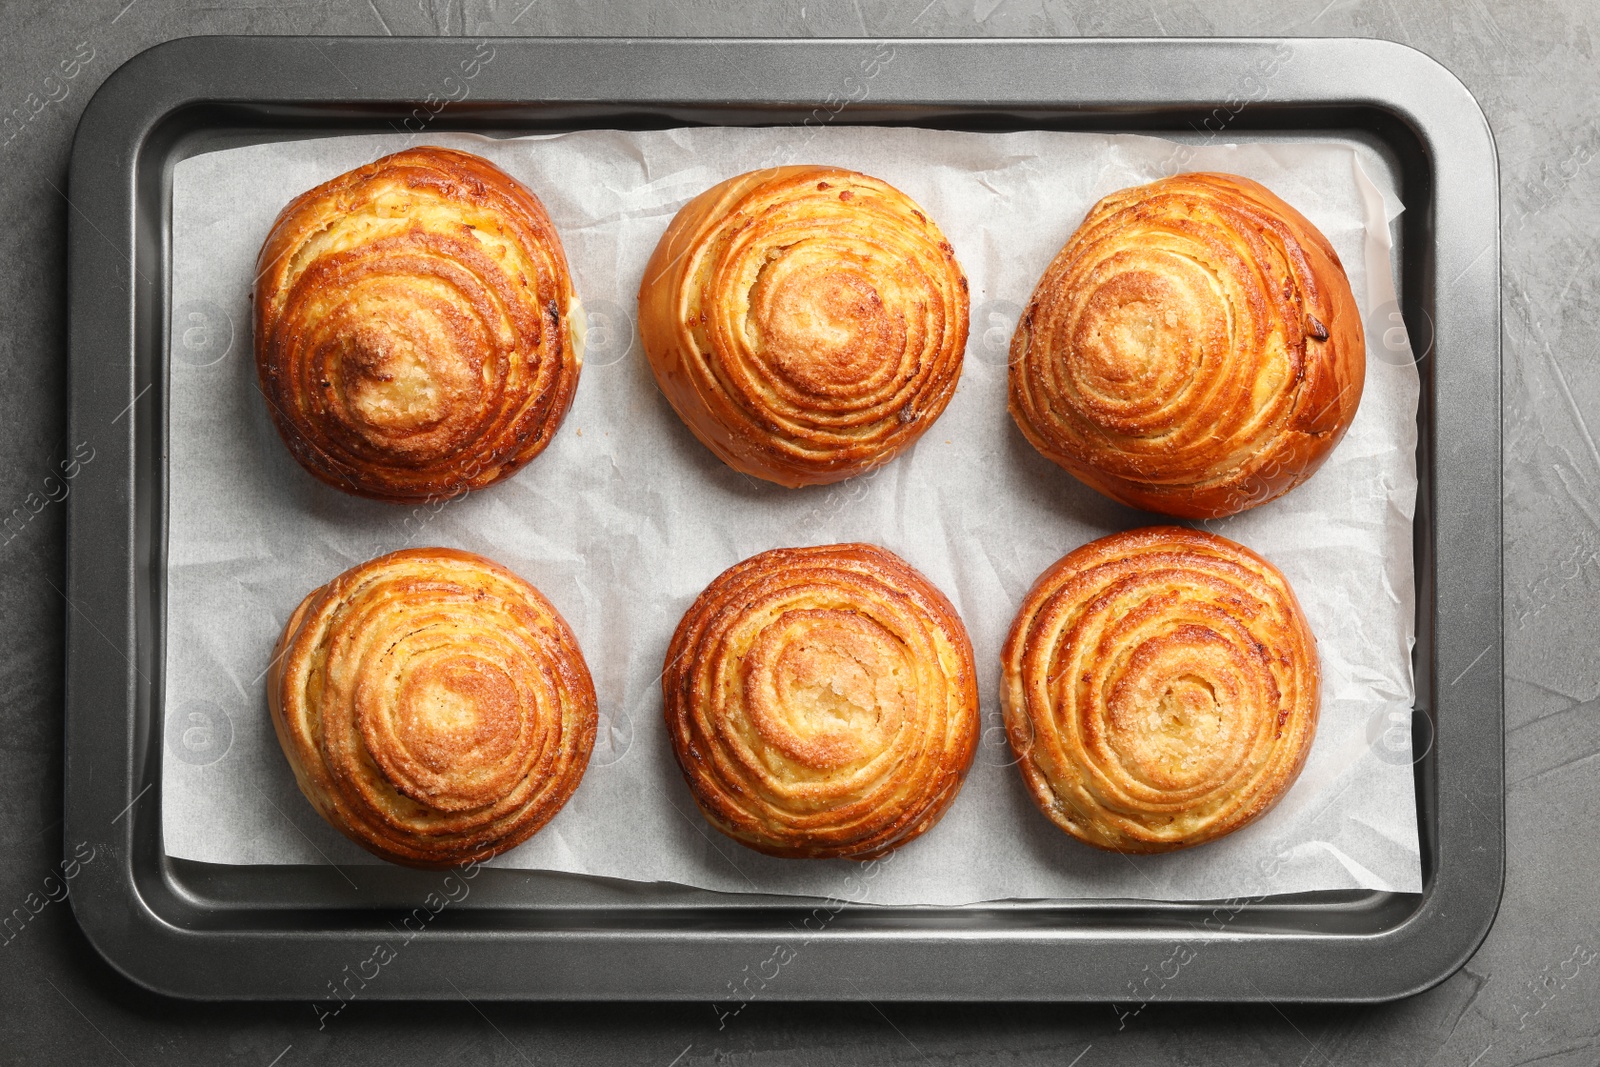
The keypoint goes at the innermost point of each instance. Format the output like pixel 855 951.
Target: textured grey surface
pixel 1531 994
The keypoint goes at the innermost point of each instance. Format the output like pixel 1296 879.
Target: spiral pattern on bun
pixel 822 702
pixel 1194 349
pixel 1160 689
pixel 434 707
pixel 807 323
pixel 415 327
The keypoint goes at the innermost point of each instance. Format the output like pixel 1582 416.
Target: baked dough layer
pixel 822 702
pixel 414 327
pixel 1193 350
pixel 807 323
pixel 1161 689
pixel 434 706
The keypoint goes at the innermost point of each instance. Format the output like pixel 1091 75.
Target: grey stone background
pixel 1530 995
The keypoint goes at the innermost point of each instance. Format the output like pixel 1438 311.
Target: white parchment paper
pixel 625 518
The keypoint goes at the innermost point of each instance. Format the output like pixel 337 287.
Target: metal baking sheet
pixel 213 931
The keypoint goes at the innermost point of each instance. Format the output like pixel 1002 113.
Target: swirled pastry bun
pixel 434 706
pixel 822 702
pixel 1193 350
pixel 1160 689
pixel 806 323
pixel 414 326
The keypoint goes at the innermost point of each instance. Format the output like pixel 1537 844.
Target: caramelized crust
pixel 1160 689
pixel 1193 350
pixel 414 334
pixel 806 323
pixel 822 702
pixel 434 706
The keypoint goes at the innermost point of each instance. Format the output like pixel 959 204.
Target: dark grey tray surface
pixel 212 932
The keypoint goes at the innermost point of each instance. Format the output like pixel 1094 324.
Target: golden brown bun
pixel 822 702
pixel 1160 689
pixel 1193 350
pixel 434 706
pixel 806 323
pixel 413 327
